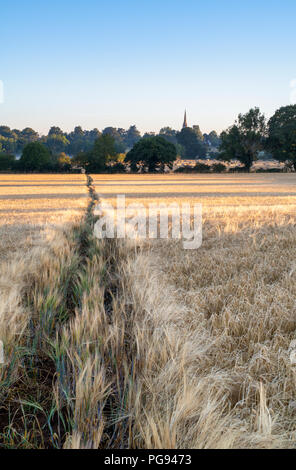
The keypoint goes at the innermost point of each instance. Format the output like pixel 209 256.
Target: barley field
pixel 114 344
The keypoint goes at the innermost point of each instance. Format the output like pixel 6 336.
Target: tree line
pixel 60 151
pixel 13 141
pixel 115 150
pixel 252 134
pixel 190 141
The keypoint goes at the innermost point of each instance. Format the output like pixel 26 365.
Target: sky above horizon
pixel 99 63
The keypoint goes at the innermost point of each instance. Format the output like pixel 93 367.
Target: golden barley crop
pixel 110 344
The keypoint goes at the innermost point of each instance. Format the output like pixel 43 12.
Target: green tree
pixel 245 139
pixel 132 137
pixel 77 141
pixel 8 140
pixel 35 157
pixel 96 159
pixel 282 135
pixel 56 143
pixel 7 162
pixel 28 135
pixel 8 144
pixel 6 132
pixel 151 154
pixel 191 142
pixel 55 131
pixel 169 134
pixel 118 138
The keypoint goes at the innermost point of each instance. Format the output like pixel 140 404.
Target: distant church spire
pixel 185 120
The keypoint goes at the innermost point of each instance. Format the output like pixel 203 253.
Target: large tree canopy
pixel 168 134
pixel 282 135
pixel 132 136
pixel 245 139
pixel 118 136
pixel 96 159
pixel 192 142
pixel 35 157
pixel 152 154
pixel 56 143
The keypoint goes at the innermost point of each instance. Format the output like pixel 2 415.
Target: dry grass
pixel 213 326
pixel 40 199
pixel 113 345
pixel 223 330
pixel 29 203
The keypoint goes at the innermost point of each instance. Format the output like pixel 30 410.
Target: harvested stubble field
pixel 110 345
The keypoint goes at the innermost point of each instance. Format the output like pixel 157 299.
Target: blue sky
pixel 96 63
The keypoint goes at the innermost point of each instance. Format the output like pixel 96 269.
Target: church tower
pixel 185 120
